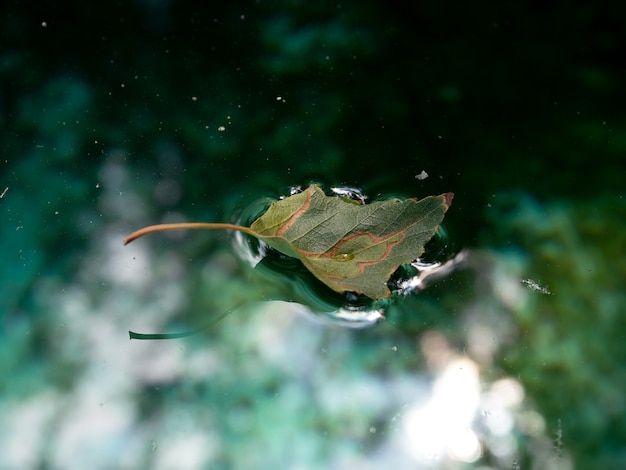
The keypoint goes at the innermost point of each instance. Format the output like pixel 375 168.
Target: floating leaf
pixel 346 245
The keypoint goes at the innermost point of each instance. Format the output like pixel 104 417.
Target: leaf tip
pixel 447 198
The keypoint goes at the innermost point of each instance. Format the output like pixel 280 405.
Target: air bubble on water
pixel 351 193
pixel 293 190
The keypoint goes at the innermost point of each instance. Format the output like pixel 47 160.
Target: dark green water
pixel 118 115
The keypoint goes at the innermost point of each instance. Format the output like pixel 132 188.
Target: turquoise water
pixel 113 117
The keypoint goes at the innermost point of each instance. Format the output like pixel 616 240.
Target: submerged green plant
pixel 348 246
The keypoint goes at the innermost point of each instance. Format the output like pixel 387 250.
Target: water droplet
pixel 343 257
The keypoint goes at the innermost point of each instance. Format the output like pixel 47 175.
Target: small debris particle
pixel 422 176
pixel 532 285
pixel 4 192
pixel 221 128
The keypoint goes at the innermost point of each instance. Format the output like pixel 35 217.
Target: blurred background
pixel 115 115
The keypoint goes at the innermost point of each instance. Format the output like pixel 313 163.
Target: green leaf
pixel 347 246
pixel 351 247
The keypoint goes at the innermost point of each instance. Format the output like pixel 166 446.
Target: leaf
pixel 351 247
pixel 347 246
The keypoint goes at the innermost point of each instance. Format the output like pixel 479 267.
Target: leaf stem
pixel 186 226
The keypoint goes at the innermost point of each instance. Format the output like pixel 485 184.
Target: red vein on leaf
pixel 336 249
pixel 296 214
pixel 363 264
